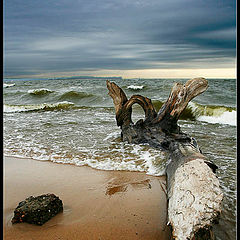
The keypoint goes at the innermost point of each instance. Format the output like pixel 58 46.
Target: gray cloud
pixel 52 36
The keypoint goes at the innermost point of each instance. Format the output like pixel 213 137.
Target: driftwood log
pixel 193 191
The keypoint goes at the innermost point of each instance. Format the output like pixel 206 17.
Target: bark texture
pixel 194 194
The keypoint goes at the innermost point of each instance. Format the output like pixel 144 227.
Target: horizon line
pixel 119 77
pixel 220 73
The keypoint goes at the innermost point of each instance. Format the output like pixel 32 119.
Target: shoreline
pixel 98 204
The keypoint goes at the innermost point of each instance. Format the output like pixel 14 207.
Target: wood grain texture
pixel 194 194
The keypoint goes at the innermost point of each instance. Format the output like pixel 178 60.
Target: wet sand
pixel 97 204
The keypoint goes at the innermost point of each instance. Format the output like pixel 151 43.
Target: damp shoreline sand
pixel 97 204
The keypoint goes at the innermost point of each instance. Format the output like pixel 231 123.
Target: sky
pixel 128 38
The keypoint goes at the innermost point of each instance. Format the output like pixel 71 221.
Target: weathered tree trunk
pixel 194 195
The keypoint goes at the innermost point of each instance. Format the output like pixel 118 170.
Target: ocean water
pixel 72 121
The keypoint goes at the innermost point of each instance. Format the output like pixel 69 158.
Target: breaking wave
pixel 206 113
pixel 39 92
pixel 61 96
pixel 7 85
pixel 74 95
pixel 135 87
pixel 227 117
pixel 213 113
pixel 7 108
pixel 194 111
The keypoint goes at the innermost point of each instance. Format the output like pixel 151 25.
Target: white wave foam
pixel 214 114
pixel 24 108
pixel 110 165
pixel 126 158
pixel 135 87
pixel 150 166
pixel 227 117
pixel 40 90
pixel 111 135
pixel 7 85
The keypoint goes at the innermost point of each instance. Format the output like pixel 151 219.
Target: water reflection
pixel 118 184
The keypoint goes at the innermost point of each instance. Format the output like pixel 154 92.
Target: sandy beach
pixel 97 204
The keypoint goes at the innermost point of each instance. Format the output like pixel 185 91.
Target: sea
pixel 71 120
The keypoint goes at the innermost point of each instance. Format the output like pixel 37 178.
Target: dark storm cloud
pixel 52 36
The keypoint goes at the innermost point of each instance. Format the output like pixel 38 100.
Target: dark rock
pixel 37 210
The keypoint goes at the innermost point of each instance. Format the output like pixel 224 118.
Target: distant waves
pixel 135 87
pixel 194 111
pixel 41 91
pixel 7 85
pixel 7 108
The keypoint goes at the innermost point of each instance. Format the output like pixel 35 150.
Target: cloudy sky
pixel 129 38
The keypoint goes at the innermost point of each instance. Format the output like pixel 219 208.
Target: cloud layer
pixel 80 35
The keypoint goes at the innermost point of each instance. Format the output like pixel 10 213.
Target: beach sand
pixel 97 204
